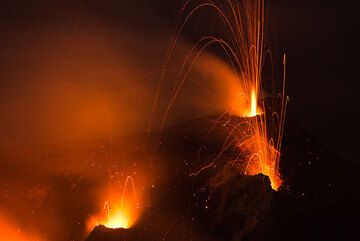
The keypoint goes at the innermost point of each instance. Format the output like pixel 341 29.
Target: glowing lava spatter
pixel 263 144
pixel 259 142
pixel 119 211
pixel 116 218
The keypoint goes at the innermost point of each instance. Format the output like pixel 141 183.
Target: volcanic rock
pixel 237 211
pixel 317 200
pixel 107 234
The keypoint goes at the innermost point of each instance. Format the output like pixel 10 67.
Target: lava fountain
pixel 259 130
pixel 263 142
pixel 121 208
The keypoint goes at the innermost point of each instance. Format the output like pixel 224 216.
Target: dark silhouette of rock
pixel 317 200
pixel 107 234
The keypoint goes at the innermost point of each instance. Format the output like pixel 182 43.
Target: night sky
pixel 75 75
pixel 320 40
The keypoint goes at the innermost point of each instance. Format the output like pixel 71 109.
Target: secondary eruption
pixel 259 131
pixel 261 149
pixel 120 210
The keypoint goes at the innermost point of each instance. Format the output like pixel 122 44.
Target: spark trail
pixel 258 134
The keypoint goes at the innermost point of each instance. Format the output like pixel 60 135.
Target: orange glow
pixel 120 210
pixel 253 103
pixel 262 155
pixel 262 141
pixel 259 131
pixel 118 219
pixel 10 231
pixel 253 109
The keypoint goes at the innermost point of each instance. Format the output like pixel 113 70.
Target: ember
pixel 259 136
pixel 121 210
pixel 168 120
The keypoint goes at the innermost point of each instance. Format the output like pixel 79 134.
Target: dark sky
pixel 320 40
